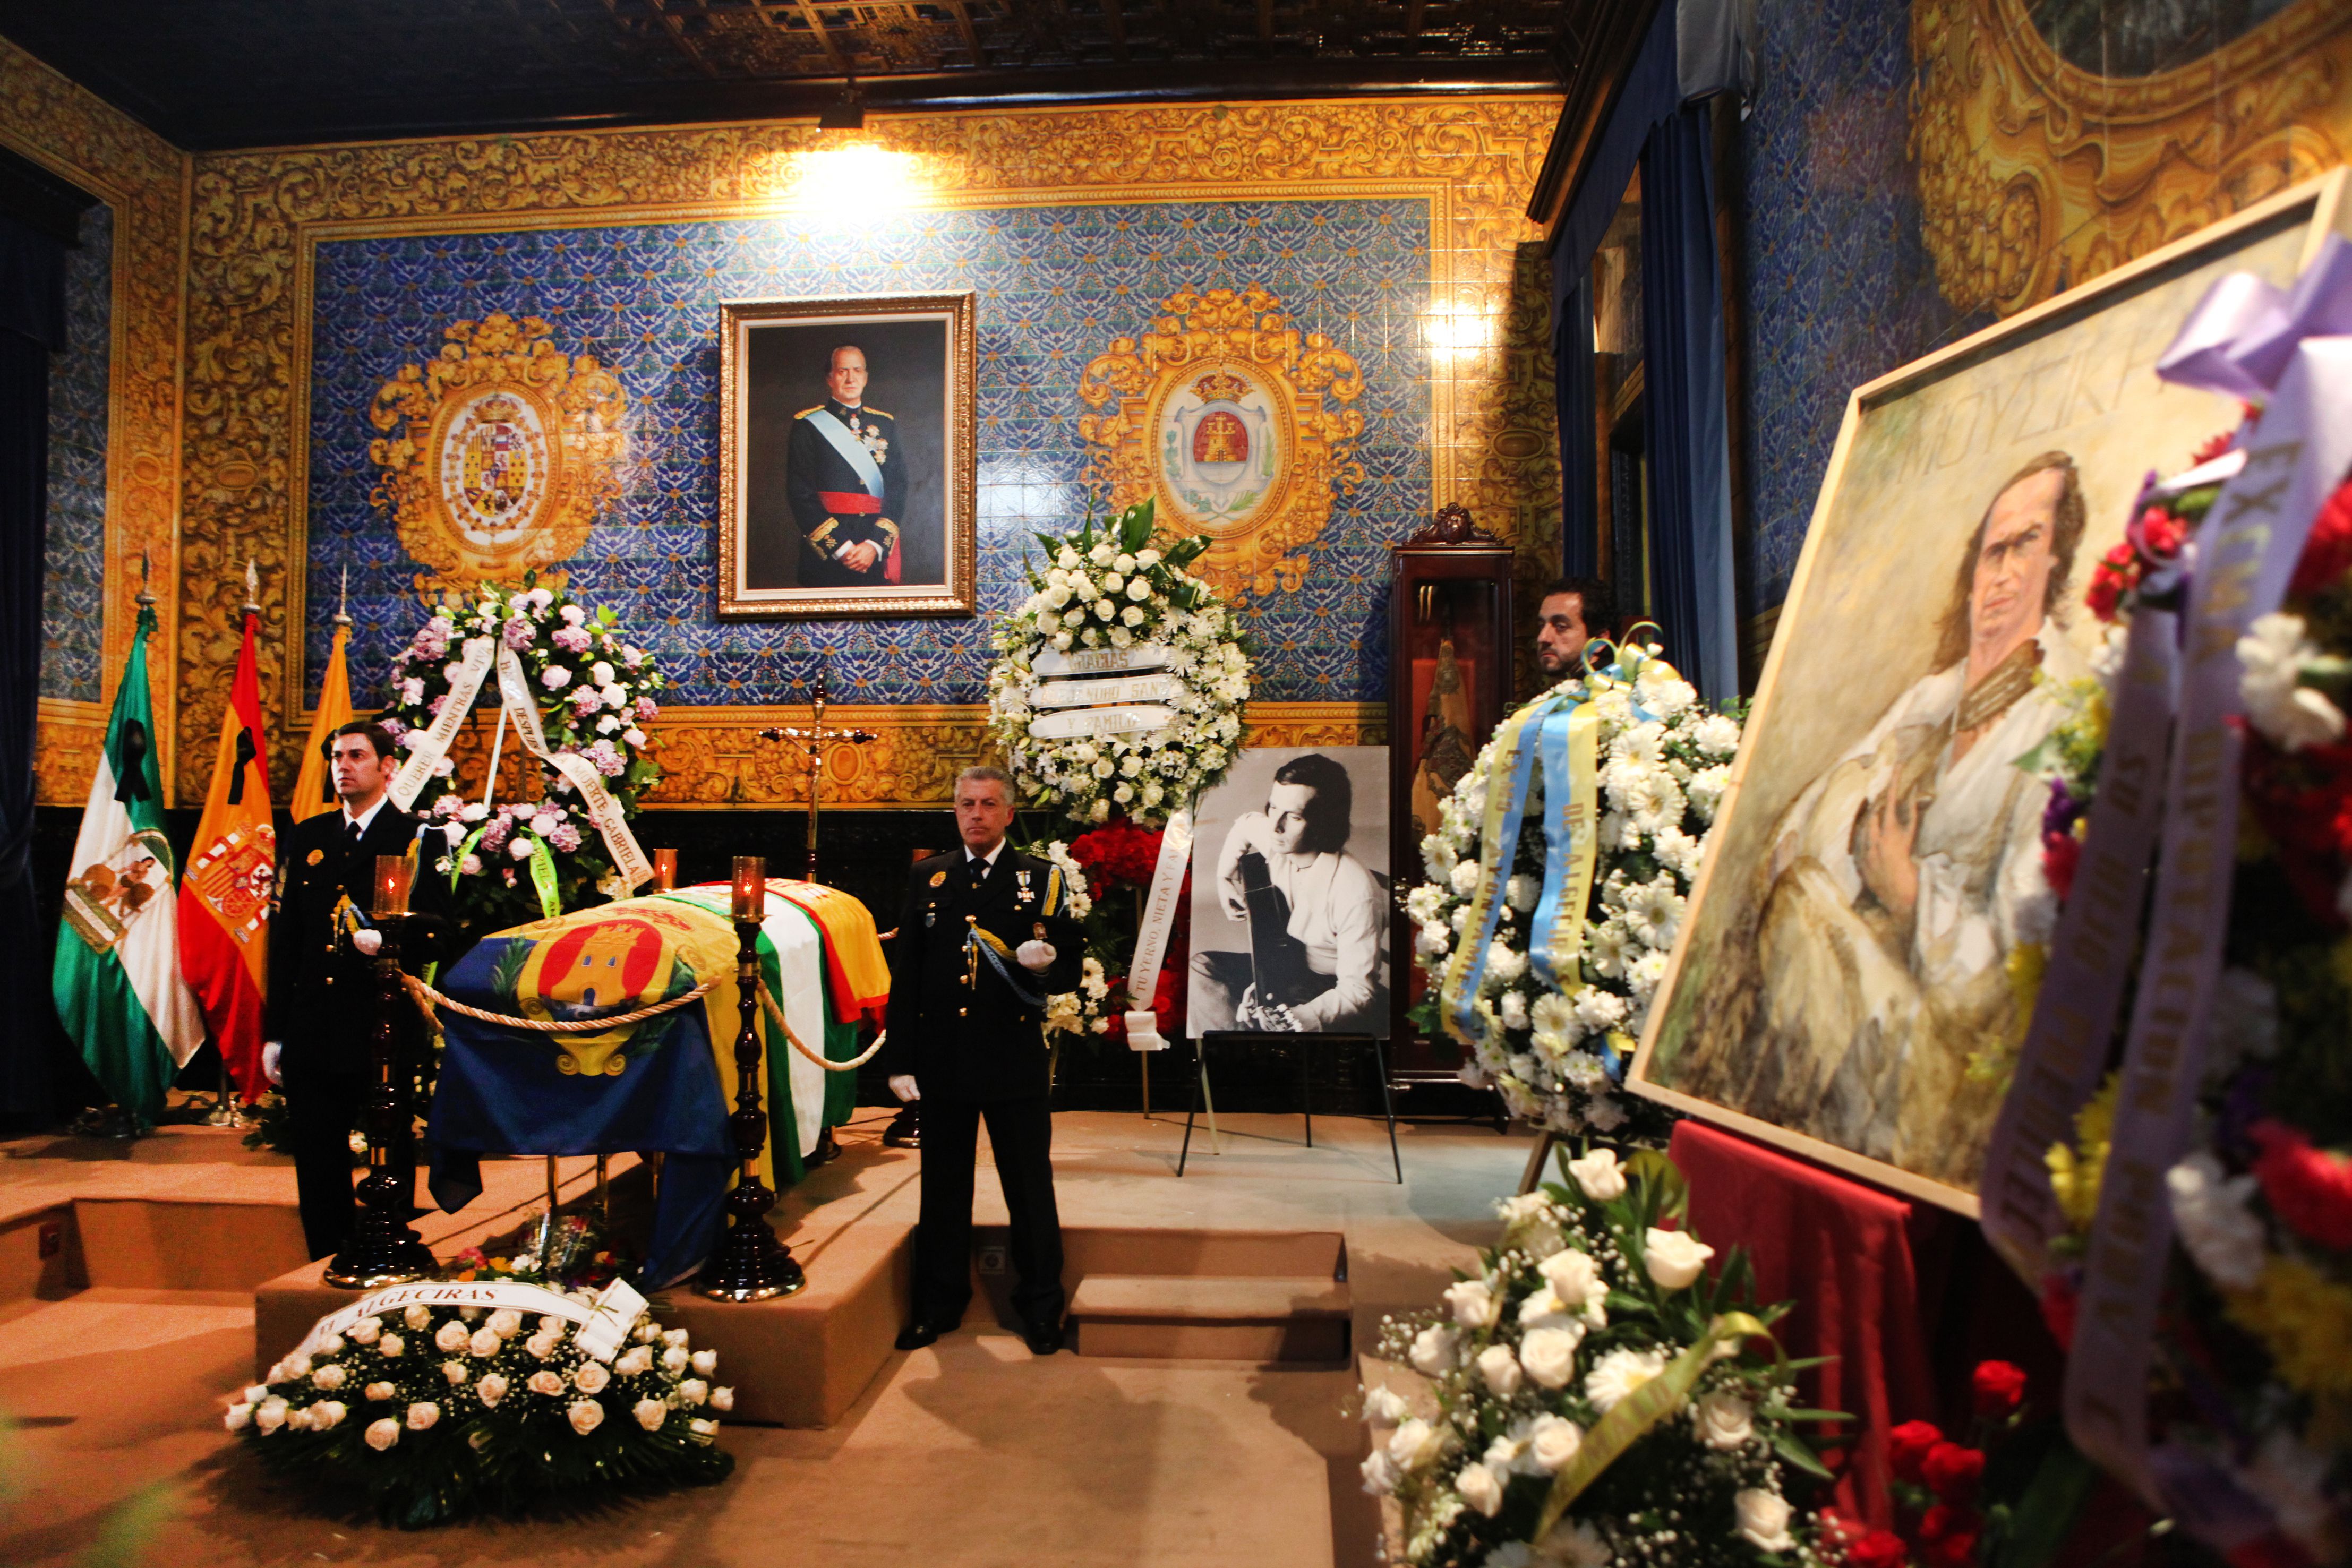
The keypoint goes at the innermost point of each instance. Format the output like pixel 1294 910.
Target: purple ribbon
pixel 2292 351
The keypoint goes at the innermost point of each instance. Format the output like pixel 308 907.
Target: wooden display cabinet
pixel 1449 658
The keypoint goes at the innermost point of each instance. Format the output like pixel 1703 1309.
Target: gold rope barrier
pixel 427 999
pixel 777 1013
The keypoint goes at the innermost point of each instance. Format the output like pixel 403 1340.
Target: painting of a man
pixel 846 457
pixel 1901 879
pixel 845 478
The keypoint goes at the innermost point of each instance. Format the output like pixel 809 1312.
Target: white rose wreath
pixel 1558 1052
pixel 1112 591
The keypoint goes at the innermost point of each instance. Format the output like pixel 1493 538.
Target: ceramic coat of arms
pixel 498 453
pixel 1237 425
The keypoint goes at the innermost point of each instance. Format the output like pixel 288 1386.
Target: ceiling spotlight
pixel 847 113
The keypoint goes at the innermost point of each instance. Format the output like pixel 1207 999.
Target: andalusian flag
pixel 224 898
pixel 117 980
pixel 314 787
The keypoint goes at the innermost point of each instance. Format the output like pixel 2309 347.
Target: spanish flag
pixel 314 787
pixel 225 897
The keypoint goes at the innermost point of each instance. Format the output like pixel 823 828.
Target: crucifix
pixel 813 738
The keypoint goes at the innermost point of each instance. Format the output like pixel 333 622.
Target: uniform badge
pixel 939 879
pixel 314 857
pixel 1026 894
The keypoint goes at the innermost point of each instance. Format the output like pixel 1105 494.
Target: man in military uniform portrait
pixel 985 936
pixel 322 1004
pixel 845 480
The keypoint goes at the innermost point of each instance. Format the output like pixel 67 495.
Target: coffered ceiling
pixel 243 73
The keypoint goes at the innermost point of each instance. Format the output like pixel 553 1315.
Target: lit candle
pixel 392 877
pixel 665 870
pixel 750 887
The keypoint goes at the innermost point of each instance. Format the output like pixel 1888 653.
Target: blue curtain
pixel 1694 49
pixel 1580 545
pixel 1682 356
pixel 32 325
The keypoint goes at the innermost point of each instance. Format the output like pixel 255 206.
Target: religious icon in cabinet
pixel 1450 661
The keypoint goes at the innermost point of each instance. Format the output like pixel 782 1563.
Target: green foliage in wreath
pixel 505 861
pixel 437 1413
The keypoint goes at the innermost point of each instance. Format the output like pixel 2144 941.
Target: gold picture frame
pixel 1818 998
pixel 783 554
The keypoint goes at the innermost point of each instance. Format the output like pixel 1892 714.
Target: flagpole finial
pixel 343 608
pixel 252 587
pixel 146 600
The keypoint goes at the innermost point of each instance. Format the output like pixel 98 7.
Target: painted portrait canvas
pixel 1850 977
pixel 846 457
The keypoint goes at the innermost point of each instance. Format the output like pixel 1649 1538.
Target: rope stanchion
pixel 427 996
pixel 776 1011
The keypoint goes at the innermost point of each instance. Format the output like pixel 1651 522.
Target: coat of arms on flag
pixel 117 989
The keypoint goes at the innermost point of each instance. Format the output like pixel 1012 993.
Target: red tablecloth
pixel 1844 1253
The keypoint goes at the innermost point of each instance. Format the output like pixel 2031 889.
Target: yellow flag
pixel 314 787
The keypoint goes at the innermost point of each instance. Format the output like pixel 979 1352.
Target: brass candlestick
pixel 751 1265
pixel 383 1251
pixel 812 740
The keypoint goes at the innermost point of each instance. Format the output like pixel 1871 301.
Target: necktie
pixel 975 872
pixel 352 833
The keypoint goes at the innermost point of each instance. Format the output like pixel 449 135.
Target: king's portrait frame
pixel 811 467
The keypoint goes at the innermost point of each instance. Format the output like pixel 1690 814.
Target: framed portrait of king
pixel 846 457
pixel 1855 972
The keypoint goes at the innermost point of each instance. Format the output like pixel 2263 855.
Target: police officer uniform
pixel 322 1004
pixel 833 503
pixel 967 1021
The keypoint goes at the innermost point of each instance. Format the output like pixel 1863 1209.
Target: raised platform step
pixel 1267 1318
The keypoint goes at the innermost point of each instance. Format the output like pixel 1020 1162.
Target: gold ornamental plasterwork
pixel 498 453
pixel 255 217
pixel 144 179
pixel 1223 384
pixel 2035 174
pixel 713 758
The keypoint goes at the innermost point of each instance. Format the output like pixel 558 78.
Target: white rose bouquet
pixel 505 861
pixel 1113 589
pixel 437 1413
pixel 1593 1397
pixel 1558 1052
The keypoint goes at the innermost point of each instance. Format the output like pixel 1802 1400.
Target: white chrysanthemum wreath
pixel 1558 1053
pixel 505 861
pixel 1112 590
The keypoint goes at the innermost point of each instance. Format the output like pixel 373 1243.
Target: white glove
pixel 1034 955
pixel 368 941
pixel 269 1053
pixel 902 1084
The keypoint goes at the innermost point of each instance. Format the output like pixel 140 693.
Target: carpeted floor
pixel 969 1452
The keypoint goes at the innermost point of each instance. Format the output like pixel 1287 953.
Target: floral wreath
pixel 435 1412
pixel 1111 588
pixel 1596 1395
pixel 1557 1054
pixel 505 862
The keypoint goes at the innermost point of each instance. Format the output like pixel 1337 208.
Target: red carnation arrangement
pixel 2307 1187
pixel 1945 1519
pixel 1117 855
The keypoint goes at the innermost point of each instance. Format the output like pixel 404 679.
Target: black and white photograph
pixel 846 457
pixel 1290 894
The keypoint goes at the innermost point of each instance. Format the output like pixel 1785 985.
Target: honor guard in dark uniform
pixel 321 1008
pixel 985 937
pixel 845 479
